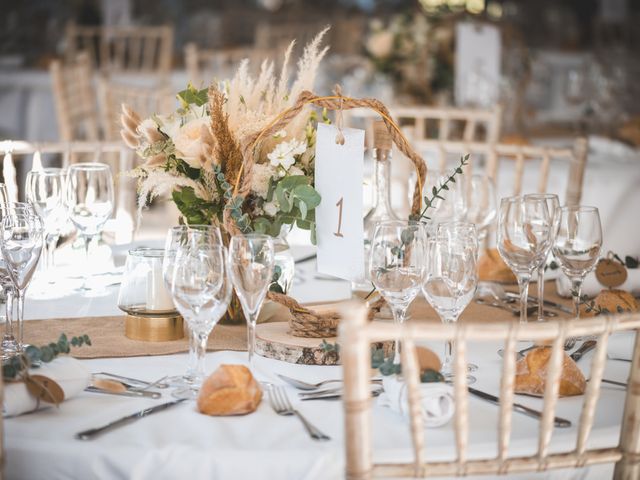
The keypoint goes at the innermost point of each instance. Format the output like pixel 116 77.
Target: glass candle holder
pixel 143 296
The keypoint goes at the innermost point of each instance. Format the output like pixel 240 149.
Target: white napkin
pixel 621 345
pixel 591 287
pixel 71 374
pixel 436 400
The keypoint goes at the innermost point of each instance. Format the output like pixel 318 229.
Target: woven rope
pixel 305 322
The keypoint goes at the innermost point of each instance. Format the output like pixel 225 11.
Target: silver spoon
pixel 302 385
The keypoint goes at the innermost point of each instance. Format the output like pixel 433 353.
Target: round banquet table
pixel 181 443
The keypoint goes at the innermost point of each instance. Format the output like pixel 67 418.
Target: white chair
pixel 116 49
pixel 356 334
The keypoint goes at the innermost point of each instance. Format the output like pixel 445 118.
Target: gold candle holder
pixel 154 329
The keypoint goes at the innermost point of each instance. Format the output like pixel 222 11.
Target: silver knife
pixel 584 348
pixel 517 407
pixel 548 303
pixel 92 432
pixel 126 393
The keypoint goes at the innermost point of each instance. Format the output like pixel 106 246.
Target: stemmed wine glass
pixel 553 206
pixel 45 191
pixel 481 206
pixel 524 235
pixel 396 266
pixel 21 235
pixel 577 245
pixel 451 277
pixel 89 199
pixel 201 290
pixel 177 238
pixel 251 262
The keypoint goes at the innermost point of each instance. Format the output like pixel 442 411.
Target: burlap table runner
pixel 108 339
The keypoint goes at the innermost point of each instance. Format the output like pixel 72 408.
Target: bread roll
pixel 613 301
pixel 531 374
pixel 230 390
pixel 491 268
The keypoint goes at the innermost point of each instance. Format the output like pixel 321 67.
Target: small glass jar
pixel 151 314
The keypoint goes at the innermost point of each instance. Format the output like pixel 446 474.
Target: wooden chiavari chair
pixel 113 49
pixel 356 334
pixel 75 99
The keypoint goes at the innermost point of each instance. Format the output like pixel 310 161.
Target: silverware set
pixel 282 406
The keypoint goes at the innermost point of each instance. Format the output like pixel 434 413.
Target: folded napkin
pixel 71 374
pixel 591 287
pixel 621 345
pixel 436 400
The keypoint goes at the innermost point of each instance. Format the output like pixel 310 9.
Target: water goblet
pixel 577 246
pixel 201 290
pixel 396 266
pixel 524 234
pixel 553 206
pixel 251 262
pixel 89 200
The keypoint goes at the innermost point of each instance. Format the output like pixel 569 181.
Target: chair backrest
pixel 431 124
pixel 122 48
pixel 75 99
pixel 116 154
pixel 524 159
pixel 205 65
pixel 356 334
pixel 146 100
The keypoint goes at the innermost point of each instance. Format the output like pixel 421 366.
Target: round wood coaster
pixel 274 341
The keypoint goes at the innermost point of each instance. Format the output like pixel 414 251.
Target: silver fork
pixel 282 406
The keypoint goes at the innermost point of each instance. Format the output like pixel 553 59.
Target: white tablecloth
pixel 181 443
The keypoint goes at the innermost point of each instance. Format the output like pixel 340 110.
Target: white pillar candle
pixel 158 297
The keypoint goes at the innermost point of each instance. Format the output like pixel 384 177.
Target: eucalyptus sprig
pixel 33 356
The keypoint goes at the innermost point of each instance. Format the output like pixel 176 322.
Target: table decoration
pixel 226 160
pixel 230 390
pixel 151 314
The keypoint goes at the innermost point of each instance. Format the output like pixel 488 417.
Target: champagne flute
pixel 524 234
pixel 577 246
pixel 177 238
pixel 251 262
pixel 451 278
pixel 396 266
pixel 553 206
pixel 201 290
pixel 89 199
pixel 21 234
pixel 45 192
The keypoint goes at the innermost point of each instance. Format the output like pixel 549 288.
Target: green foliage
pixel 274 286
pixel 34 356
pixel 195 210
pixel 192 96
pixel 329 347
pixel 388 367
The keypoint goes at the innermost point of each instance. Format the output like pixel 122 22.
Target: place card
pixel 610 273
pixel 339 179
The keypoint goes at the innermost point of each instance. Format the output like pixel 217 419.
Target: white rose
pixel 261 176
pixel 284 153
pixel 188 142
pixel 169 125
pixel 270 208
pixel 380 44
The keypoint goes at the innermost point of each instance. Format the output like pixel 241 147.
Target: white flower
pixel 280 134
pixel 261 176
pixel 188 142
pixel 380 44
pixel 283 154
pixel 169 125
pixel 295 171
pixel 271 208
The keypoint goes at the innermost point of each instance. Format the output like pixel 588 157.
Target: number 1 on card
pixel 339 205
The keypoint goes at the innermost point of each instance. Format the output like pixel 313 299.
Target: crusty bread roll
pixel 491 268
pixel 531 372
pixel 230 390
pixel 610 300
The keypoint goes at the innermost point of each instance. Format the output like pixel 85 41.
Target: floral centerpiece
pixel 194 154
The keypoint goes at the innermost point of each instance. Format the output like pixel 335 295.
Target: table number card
pixel 338 180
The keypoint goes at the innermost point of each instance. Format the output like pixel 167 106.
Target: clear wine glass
pixel 396 266
pixel 524 234
pixel 451 277
pixel 201 290
pixel 44 190
pixel 22 235
pixel 177 238
pixel 553 206
pixel 251 262
pixel 89 199
pixel 578 245
pixel 481 208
